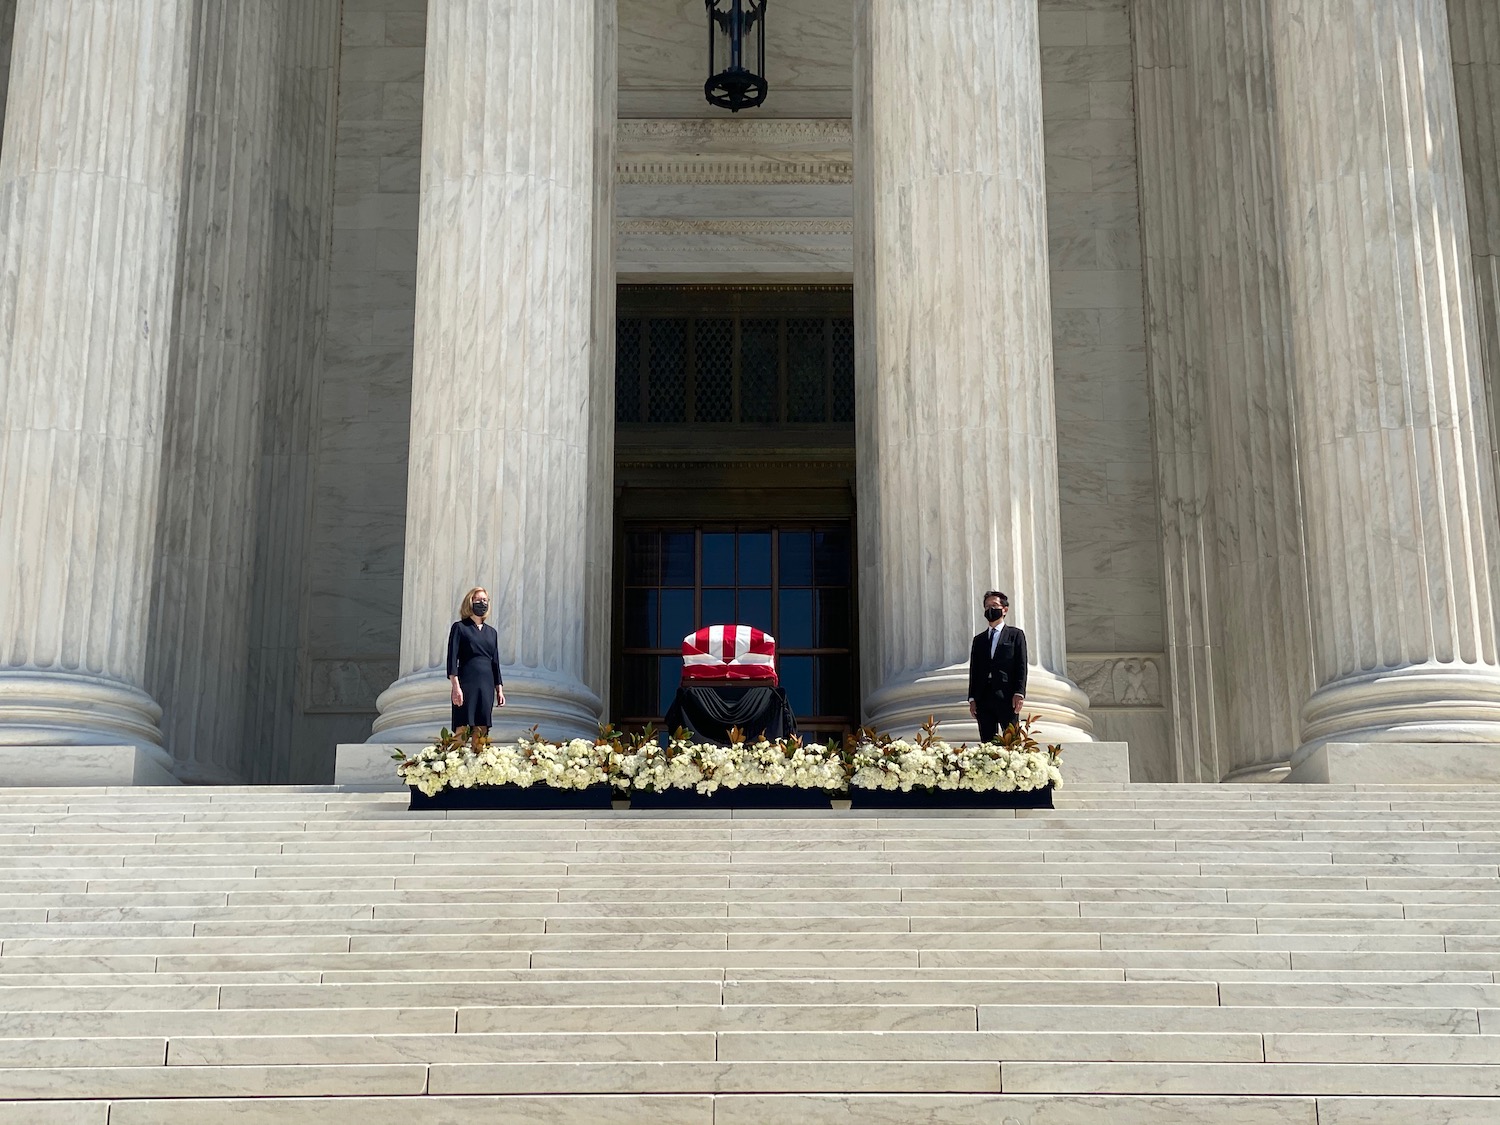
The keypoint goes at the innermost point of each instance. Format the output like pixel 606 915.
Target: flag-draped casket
pixel 729 652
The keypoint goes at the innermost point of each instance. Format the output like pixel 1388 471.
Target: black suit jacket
pixel 1002 675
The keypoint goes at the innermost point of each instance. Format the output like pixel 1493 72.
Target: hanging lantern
pixel 734 26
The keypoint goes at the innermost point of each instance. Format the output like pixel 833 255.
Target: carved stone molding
pixel 1120 679
pixel 735 152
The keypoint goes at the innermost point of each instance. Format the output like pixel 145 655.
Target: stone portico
pixel 1175 320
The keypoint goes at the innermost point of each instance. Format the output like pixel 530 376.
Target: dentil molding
pixel 735 152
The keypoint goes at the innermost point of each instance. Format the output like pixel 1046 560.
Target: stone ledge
pixel 1095 763
pixel 1395 763
pixel 368 765
pixel 50 766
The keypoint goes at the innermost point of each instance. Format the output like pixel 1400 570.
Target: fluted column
pixel 502 393
pixel 1261 597
pixel 90 202
pixel 601 469
pixel 1398 485
pixel 957 457
pixel 7 31
pixel 1474 27
pixel 297 284
pixel 1170 226
pixel 199 650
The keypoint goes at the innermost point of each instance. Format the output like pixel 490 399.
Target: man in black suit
pixel 997 670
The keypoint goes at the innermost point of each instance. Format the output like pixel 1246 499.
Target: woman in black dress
pixel 474 664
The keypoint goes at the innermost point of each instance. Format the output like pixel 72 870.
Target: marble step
pixel 844 1045
pixel 617 1076
pixel 778 1109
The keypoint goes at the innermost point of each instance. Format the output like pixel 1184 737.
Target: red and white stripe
pixel 729 652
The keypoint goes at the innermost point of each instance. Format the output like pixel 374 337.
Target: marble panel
pixel 951 1109
pixel 727 1077
pixel 1429 1110
pixel 665 1109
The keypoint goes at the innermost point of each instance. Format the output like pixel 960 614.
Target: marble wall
pixel 1111 545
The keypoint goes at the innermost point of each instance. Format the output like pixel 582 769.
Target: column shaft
pixel 503 389
pixel 1171 225
pixel 1397 480
pixel 90 202
pixel 1474 26
pixel 1262 591
pixel 601 470
pixel 297 318
pixel 199 649
pixel 957 457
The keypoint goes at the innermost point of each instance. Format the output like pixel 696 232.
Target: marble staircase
pixel 1321 955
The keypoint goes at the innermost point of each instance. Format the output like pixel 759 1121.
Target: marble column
pixel 7 33
pixel 1397 481
pixel 601 470
pixel 1261 596
pixel 199 642
pixel 297 316
pixel 90 194
pixel 1170 227
pixel 1474 26
pixel 503 388
pixel 956 438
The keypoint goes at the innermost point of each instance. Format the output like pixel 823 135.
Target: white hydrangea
pixel 905 765
pixel 681 763
pixel 532 761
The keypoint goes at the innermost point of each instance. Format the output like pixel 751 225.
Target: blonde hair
pixel 466 607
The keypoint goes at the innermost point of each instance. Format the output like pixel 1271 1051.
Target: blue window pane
pixel 834 690
pixel 755 609
pixel 676 616
pixel 833 619
pixel 642 558
pixel 796 558
pixel 795 629
pixel 640 619
pixel 640 685
pixel 755 558
pixel 718 608
pixel 797 678
pixel 670 671
pixel 832 557
pixel 718 558
pixel 677 558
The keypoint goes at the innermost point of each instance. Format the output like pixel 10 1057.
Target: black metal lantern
pixel 738 24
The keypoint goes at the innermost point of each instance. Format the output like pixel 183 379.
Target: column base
pixel 43 708
pixel 416 707
pixel 1419 703
pixel 900 708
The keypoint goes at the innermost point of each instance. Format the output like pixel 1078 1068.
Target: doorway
pixel 734 478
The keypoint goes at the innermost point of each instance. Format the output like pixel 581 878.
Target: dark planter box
pixel 513 797
pixel 950 799
pixel 740 797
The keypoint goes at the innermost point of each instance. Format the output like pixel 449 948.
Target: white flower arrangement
pixel 460 761
pixel 648 766
pixel 642 763
pixel 1016 763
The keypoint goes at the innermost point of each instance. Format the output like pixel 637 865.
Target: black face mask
pixel 993 614
pixel 480 608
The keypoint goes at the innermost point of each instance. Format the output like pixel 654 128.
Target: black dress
pixel 474 657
